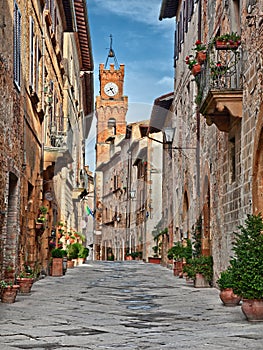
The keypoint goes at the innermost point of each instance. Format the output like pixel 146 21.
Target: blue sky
pixel 141 42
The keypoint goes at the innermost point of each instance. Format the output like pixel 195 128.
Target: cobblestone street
pixel 123 305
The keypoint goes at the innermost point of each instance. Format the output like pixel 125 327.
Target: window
pixel 112 126
pixel 116 184
pixel 17 46
pixel 187 10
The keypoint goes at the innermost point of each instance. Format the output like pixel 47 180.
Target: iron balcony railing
pixel 222 70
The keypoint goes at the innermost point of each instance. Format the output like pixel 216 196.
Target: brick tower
pixel 111 108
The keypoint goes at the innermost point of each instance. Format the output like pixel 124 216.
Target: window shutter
pixel 31 53
pixel 190 9
pixel 37 57
pixel 17 46
pixel 175 45
pixel 181 28
pixel 185 17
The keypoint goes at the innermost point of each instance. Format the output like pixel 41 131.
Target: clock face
pixel 111 89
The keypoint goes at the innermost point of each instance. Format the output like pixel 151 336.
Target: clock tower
pixel 111 108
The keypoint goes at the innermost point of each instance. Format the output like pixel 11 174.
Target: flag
pixel 89 211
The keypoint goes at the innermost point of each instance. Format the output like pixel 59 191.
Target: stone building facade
pixel 130 202
pixel 220 115
pixel 42 114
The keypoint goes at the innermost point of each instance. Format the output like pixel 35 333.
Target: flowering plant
pixel 190 61
pixel 199 46
pixel 230 38
pixel 217 69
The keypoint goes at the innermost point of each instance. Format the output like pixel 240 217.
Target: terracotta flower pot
pixel 25 284
pixel 9 294
pixel 201 57
pixel 154 260
pixel 196 69
pixel 229 298
pixel 57 267
pixel 226 45
pixel 178 268
pixel 253 309
pixel 70 264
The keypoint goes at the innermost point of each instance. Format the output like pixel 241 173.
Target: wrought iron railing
pixel 222 70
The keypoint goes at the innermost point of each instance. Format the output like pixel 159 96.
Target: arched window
pixel 112 125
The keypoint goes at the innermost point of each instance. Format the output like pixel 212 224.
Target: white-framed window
pixel 17 46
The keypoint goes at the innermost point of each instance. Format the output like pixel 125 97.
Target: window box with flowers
pixel 227 41
pixel 193 65
pixel 200 50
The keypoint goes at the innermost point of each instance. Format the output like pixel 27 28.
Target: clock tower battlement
pixel 111 109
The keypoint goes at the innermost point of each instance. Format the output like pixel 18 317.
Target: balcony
pixel 220 88
pixel 57 153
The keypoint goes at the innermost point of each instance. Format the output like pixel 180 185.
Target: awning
pixel 159 112
pixel 168 9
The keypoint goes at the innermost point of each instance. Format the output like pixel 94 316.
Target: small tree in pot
pixel 246 267
pixel 177 254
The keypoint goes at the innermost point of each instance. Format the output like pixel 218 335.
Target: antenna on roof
pixel 111 54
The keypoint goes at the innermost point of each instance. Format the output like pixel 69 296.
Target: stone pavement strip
pixel 123 305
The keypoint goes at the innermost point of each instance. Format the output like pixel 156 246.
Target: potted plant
pixel 72 254
pixel 57 261
pixel 8 291
pixel 155 259
pixel 41 217
pixel 26 279
pixel 246 267
pixel 201 270
pixel 136 255
pixel 128 256
pixel 225 284
pixel 82 254
pixel 228 41
pixel 177 254
pixel 200 50
pixel 193 65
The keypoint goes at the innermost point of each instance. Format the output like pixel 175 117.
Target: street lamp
pixel 168 133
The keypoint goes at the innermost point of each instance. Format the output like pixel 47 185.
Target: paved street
pixel 123 305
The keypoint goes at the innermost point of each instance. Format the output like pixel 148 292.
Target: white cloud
pixel 166 81
pixel 136 10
